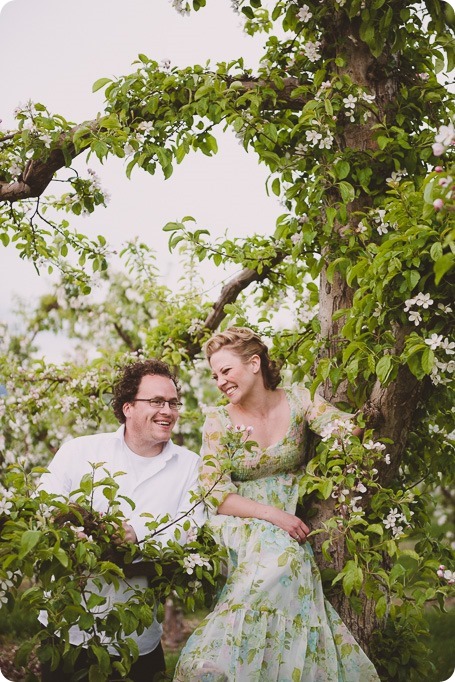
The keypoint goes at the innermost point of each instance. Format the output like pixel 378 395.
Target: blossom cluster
pixel 444 138
pixel 89 188
pixel 396 521
pixel 6 584
pixel 323 140
pixel 396 177
pixel 192 560
pixel 180 6
pixel 423 301
pixel 382 225
pixel 349 491
pixel 5 500
pixel 445 573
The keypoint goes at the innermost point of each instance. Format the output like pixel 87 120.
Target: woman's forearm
pixel 236 505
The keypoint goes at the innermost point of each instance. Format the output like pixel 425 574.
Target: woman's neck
pixel 258 405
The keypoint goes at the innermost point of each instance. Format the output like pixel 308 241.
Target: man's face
pixel 147 428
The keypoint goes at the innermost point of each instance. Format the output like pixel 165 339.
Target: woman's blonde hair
pixel 245 343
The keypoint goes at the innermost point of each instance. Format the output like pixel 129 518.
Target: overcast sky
pixel 56 50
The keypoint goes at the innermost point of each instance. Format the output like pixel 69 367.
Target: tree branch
pixel 229 294
pixel 39 172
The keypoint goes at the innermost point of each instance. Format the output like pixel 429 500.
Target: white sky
pixel 56 50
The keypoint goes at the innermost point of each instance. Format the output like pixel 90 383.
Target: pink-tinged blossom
pixel 438 204
pixel 438 149
pixel 438 169
pixel 445 135
pixel 445 182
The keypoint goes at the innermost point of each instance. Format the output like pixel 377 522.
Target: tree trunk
pixel 392 408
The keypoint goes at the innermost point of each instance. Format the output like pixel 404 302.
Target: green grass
pixel 441 648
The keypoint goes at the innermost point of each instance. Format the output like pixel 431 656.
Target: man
pixel 159 477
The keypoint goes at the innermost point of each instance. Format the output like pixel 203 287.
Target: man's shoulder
pixel 93 440
pixel 185 453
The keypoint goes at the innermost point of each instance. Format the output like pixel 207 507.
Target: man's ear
pixel 126 408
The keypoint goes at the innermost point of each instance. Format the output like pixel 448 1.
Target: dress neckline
pixel 288 394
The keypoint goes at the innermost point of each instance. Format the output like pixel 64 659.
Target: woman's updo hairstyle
pixel 245 343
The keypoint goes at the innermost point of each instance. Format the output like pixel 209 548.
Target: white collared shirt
pixel 157 485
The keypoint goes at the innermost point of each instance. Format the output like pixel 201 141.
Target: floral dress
pixel 271 622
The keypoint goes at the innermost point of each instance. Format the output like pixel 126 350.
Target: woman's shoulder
pixel 213 410
pixel 215 414
pixel 297 391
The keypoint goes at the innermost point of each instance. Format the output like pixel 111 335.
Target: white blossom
pixel 446 135
pixel 349 101
pixel 310 50
pixel 304 14
pixel 416 317
pixel 372 445
pixel 445 308
pixel 434 341
pixel 326 142
pixel 448 346
pixel 192 560
pixel 424 300
pixel 313 136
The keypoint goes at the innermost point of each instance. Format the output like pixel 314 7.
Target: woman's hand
pixel 297 529
pixel 237 505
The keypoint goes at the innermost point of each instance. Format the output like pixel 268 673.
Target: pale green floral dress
pixel 271 622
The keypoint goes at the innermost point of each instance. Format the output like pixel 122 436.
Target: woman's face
pixel 234 377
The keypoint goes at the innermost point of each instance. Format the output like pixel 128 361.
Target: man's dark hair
pixel 127 383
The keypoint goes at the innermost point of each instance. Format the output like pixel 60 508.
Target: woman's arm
pixel 237 505
pixel 220 493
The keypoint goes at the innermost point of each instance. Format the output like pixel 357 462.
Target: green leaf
pixel 347 192
pixel 428 359
pixel 29 540
pixel 443 265
pixel 381 606
pixel 276 187
pixel 384 368
pixel 100 83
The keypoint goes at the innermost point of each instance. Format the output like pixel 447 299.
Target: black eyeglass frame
pixel 159 403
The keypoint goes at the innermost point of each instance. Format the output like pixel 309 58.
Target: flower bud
pixel 438 204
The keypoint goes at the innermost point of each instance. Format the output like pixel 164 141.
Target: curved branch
pixel 39 172
pixel 229 294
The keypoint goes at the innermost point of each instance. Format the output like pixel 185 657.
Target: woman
pixel 271 622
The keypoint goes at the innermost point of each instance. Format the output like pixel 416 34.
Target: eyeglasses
pixel 158 403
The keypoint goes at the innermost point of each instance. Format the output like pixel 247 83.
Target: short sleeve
pixel 215 479
pixel 318 412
